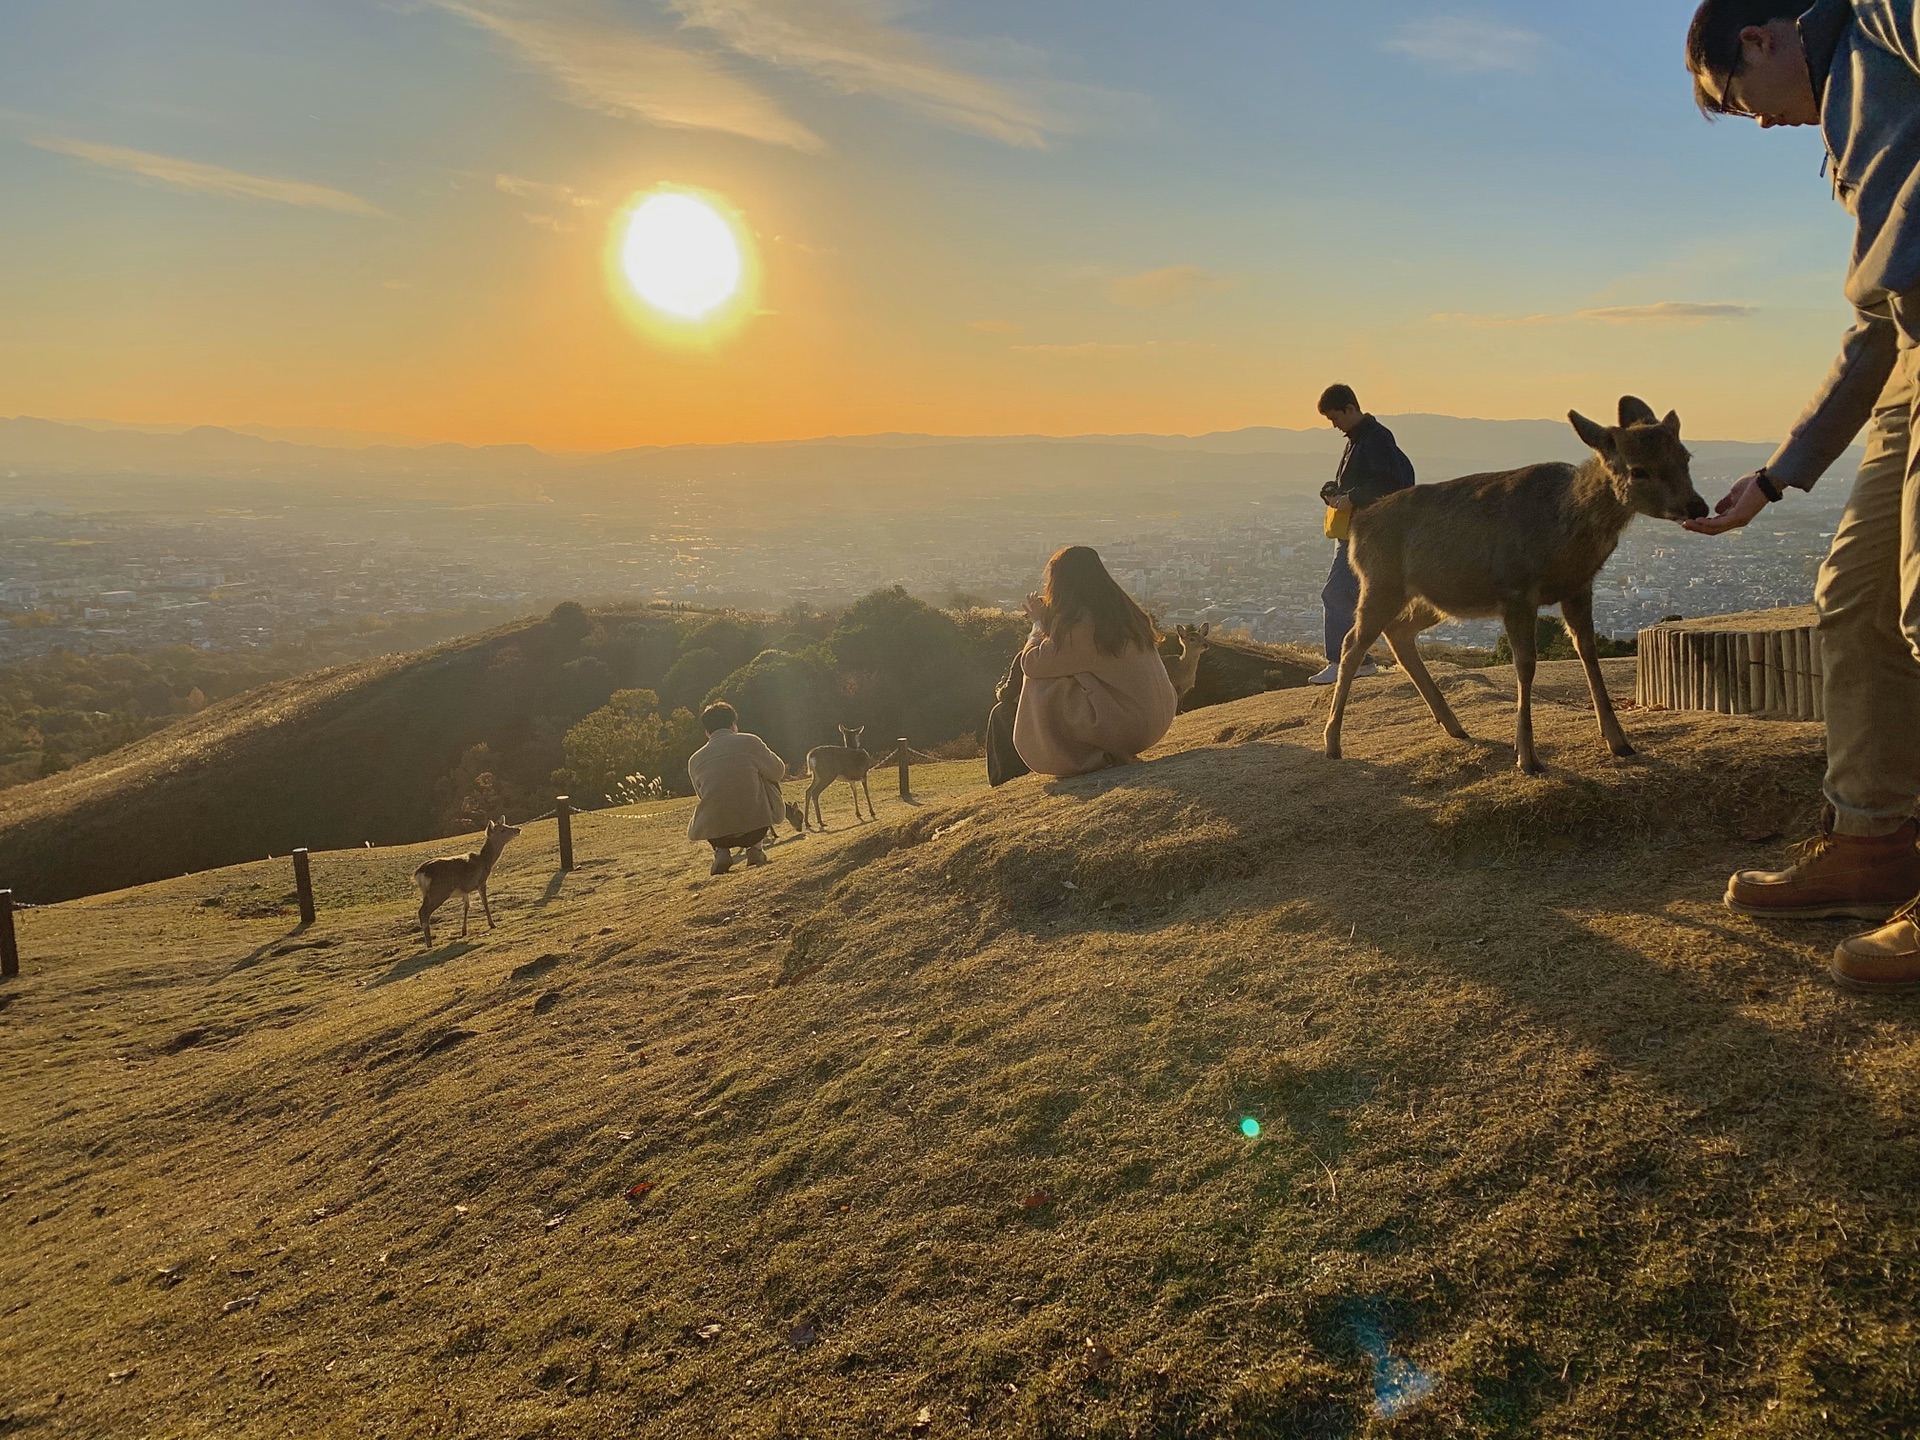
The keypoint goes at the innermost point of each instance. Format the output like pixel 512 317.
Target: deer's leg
pixel 1521 616
pixel 466 900
pixel 1578 612
pixel 485 908
pixel 1403 638
pixel 1377 611
pixel 426 920
pixel 869 794
pixel 813 803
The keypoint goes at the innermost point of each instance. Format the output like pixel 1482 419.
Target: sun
pixel 681 256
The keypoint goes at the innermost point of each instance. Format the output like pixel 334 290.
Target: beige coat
pixel 738 781
pixel 1078 706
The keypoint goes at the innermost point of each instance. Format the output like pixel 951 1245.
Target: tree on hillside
pixel 909 669
pixel 625 737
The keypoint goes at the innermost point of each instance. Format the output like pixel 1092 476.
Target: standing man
pixel 1848 66
pixel 1373 465
pixel 738 781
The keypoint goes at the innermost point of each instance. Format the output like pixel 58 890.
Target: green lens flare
pixel 1250 1128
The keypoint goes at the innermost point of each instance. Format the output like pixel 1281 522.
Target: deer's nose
pixel 1697 509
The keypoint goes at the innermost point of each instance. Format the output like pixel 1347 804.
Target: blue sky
pixel 392 215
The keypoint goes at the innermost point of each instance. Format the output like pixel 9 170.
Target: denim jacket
pixel 1864 56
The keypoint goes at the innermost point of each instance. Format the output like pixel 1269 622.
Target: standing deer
pixel 845 761
pixel 439 880
pixel 1184 667
pixel 1506 544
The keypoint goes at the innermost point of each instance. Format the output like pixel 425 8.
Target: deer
pixel 845 761
pixel 1184 667
pixel 440 880
pixel 796 817
pixel 1506 544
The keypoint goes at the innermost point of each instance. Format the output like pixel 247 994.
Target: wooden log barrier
pixel 904 754
pixel 563 812
pixel 9 946
pixel 303 885
pixel 1764 663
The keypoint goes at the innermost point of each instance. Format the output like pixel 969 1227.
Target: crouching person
pixel 1096 691
pixel 738 781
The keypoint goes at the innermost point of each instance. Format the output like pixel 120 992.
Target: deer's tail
pixel 420 881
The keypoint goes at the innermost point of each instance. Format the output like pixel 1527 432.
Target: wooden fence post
pixel 904 756
pixel 9 947
pixel 303 885
pixel 563 812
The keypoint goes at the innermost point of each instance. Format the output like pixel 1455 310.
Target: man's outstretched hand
pixel 1736 509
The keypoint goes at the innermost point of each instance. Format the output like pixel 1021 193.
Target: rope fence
pixel 902 756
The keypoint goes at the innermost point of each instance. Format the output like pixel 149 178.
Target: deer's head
pixel 499 832
pixel 797 818
pixel 1645 460
pixel 1192 639
pixel 851 737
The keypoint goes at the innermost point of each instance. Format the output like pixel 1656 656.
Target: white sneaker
pixel 1332 673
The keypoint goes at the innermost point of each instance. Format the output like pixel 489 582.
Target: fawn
pixel 1183 668
pixel 845 761
pixel 1506 544
pixel 440 880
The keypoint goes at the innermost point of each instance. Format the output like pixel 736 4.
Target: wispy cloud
pixel 1462 45
pixel 1109 350
pixel 842 43
pixel 606 65
pixel 197 178
pixel 1165 286
pixel 1663 312
pixel 522 188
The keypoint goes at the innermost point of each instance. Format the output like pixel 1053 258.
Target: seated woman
pixel 1096 692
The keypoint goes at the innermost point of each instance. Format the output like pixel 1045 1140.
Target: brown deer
pixel 1184 667
pixel 796 817
pixel 1507 544
pixel 845 761
pixel 440 880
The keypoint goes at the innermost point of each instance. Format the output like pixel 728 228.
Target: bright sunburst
pixel 681 256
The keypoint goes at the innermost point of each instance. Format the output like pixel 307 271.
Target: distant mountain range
pixel 1439 445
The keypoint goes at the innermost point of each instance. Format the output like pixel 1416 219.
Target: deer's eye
pixel 1639 472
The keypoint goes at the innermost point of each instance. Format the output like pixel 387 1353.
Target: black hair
pixel 1713 42
pixel 717 717
pixel 1337 398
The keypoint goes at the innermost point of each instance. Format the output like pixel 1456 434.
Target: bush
pixel 625 742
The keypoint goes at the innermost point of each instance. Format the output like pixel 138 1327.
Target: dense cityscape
pixel 96 581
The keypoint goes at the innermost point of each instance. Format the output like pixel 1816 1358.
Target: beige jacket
pixel 1078 706
pixel 738 781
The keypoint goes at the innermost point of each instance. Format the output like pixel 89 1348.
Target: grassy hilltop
pixel 938 1125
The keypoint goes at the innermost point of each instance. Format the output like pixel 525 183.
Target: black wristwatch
pixel 1763 482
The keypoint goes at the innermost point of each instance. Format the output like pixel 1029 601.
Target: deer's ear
pixel 1205 629
pixel 1635 411
pixel 1672 423
pixel 1595 437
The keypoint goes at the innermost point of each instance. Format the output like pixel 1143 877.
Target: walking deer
pixel 440 880
pixel 1504 545
pixel 845 761
pixel 1184 667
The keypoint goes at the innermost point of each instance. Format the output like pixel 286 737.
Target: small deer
pixel 440 880
pixel 1184 667
pixel 1506 544
pixel 797 818
pixel 845 761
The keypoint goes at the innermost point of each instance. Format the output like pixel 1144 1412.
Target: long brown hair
pixel 1078 588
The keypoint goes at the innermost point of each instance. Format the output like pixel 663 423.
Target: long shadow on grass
pixel 426 960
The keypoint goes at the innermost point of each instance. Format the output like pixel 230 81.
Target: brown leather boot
pixel 1849 877
pixel 1885 962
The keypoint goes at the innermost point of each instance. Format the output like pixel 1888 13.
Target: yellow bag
pixel 1337 523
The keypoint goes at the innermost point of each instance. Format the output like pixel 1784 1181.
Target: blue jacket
pixel 1864 57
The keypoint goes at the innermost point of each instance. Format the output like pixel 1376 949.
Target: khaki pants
pixel 1869 601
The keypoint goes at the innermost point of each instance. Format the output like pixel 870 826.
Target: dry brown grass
pixel 941 1115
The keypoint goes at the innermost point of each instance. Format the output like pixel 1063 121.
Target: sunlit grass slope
pixel 940 1124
